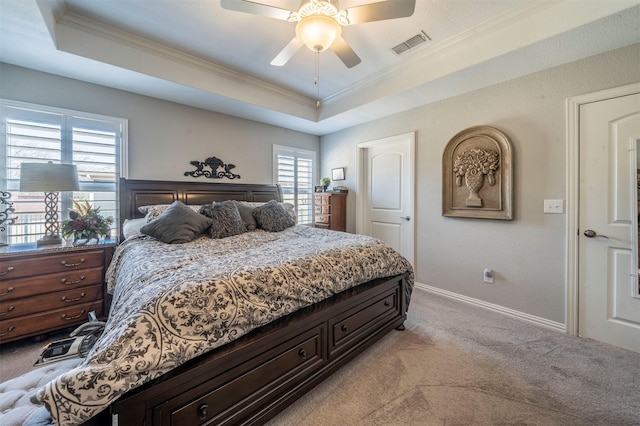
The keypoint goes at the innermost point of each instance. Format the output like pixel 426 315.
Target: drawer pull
pixel 66 318
pixel 65 281
pixel 71 265
pixel 386 303
pixel 203 411
pixel 344 328
pixel 64 298
pixel 9 330
pixel 302 353
pixel 9 269
pixel 9 290
pixel 11 308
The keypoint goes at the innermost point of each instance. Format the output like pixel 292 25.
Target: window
pixel 33 133
pixel 294 170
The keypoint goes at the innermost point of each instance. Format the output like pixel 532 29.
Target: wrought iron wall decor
pixel 477 172
pixel 6 208
pixel 209 168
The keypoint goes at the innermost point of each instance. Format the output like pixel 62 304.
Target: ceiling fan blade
pixel 254 8
pixel 390 9
pixel 287 53
pixel 345 52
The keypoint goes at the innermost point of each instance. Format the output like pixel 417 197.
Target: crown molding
pixel 530 22
pixel 73 29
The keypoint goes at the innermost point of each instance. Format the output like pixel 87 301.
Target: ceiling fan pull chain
pixel 316 79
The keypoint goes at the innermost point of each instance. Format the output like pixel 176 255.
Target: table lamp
pixel 49 178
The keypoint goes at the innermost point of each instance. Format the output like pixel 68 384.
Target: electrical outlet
pixel 487 276
pixel 554 206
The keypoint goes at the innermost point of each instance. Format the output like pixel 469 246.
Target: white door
pixel 608 294
pixel 387 187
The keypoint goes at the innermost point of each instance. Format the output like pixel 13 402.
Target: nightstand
pixel 48 288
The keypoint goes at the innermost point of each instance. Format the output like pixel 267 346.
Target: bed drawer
pixel 346 331
pixel 60 299
pixel 43 284
pixel 71 261
pixel 284 365
pixel 51 320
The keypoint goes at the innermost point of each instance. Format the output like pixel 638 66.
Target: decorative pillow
pixel 226 220
pixel 153 211
pixel 246 213
pixel 287 206
pixel 131 227
pixel 177 224
pixel 273 217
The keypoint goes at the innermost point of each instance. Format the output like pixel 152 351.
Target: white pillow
pixel 131 227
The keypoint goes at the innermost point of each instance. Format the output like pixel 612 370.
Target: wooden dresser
pixel 331 211
pixel 44 289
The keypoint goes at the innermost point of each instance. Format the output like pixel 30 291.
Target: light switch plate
pixel 554 206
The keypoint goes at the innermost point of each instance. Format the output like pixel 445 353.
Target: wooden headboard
pixel 136 193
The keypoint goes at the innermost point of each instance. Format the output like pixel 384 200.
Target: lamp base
pixel 49 240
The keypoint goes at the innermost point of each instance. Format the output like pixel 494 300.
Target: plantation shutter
pixel 32 133
pixel 294 172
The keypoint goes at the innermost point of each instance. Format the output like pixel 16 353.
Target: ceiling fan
pixel 319 23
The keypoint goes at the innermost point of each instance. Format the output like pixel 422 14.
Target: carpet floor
pixel 458 364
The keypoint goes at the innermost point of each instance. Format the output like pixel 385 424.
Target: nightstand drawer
pixel 47 302
pixel 11 329
pixel 73 260
pixel 43 284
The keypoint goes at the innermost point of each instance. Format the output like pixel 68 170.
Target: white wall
pixel 163 136
pixel 528 253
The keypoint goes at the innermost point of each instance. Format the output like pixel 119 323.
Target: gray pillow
pixel 226 220
pixel 177 224
pixel 246 213
pixel 273 217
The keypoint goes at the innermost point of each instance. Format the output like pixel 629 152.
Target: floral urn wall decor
pixel 477 175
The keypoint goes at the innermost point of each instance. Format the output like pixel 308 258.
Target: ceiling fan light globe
pixel 318 32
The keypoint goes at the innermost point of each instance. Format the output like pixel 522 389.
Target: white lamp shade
pixel 48 177
pixel 318 32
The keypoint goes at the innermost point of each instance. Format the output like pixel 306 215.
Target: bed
pixel 176 352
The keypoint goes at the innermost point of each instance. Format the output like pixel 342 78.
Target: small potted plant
pixel 86 223
pixel 325 181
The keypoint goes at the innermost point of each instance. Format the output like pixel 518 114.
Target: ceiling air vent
pixel 412 42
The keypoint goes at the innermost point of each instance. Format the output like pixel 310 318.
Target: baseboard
pixel 496 308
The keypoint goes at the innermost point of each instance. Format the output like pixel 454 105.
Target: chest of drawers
pixel 43 290
pixel 330 211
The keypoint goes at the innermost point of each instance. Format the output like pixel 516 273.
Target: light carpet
pixel 458 364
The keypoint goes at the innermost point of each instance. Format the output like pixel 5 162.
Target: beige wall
pixel 527 254
pixel 163 136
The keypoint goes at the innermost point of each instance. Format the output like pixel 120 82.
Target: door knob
pixel 405 217
pixel 590 233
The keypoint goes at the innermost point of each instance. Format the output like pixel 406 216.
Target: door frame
pixel 361 178
pixel 573 194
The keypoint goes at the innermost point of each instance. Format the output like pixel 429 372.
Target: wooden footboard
pixel 255 377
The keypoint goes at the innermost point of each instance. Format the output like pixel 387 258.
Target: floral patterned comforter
pixel 172 303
